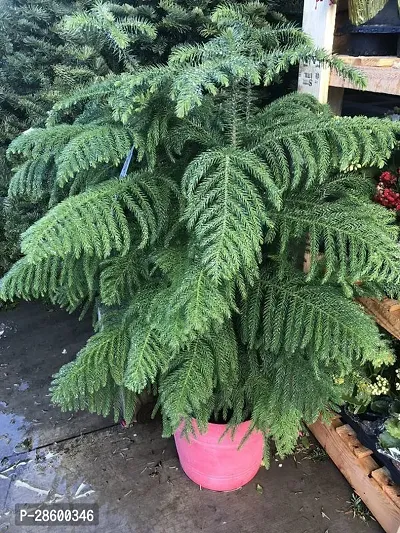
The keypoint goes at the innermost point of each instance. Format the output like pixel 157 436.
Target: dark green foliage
pixel 297 316
pixel 66 282
pixel 28 49
pixel 47 49
pixel 343 228
pixel 195 257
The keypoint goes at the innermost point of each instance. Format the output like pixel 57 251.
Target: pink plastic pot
pixel 220 465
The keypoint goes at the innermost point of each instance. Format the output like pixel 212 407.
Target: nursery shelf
pixel 385 312
pixel 371 482
pixel 382 73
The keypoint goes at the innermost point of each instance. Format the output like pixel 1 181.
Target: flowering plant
pixel 372 385
pixel 387 189
pixel 377 393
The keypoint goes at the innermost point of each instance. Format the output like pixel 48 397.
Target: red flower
pixel 388 178
pixel 384 194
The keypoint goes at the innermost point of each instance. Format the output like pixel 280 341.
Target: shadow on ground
pixel 132 473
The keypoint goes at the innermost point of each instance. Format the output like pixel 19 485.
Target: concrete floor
pixel 132 473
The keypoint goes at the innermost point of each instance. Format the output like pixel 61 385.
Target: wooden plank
pixel 386 312
pixel 349 437
pixel 383 314
pixel 345 430
pixel 379 79
pixel 368 465
pixel 370 61
pixel 336 421
pixel 382 476
pixel 319 23
pixel 381 505
pixel 392 305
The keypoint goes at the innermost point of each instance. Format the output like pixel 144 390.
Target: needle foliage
pixel 49 48
pixel 195 257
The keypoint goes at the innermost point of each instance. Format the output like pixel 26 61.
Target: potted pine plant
pixel 194 255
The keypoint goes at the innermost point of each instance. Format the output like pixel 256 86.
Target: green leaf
pixel 92 147
pixel 103 358
pixel 358 240
pixel 380 406
pixel 146 358
pixel 387 441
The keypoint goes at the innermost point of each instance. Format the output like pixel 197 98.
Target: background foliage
pixel 50 47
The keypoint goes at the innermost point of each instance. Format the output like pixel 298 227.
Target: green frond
pixel 66 282
pixel 121 277
pixel 210 360
pixel 139 25
pixel 111 399
pixel 189 86
pixel 100 363
pixel 303 155
pixel 359 240
pixel 30 180
pixel 199 130
pixel 41 142
pixel 226 353
pixel 226 208
pixel 102 21
pixel 81 183
pixel 147 357
pixel 287 393
pixel 96 222
pixel 297 316
pixel 90 148
pixel 248 15
pixel 193 369
pixel 191 300
pixel 94 92
pixel 282 59
pixel 251 314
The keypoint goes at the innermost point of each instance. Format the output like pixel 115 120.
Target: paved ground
pixel 132 473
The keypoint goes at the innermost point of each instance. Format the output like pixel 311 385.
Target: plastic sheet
pixel 368 428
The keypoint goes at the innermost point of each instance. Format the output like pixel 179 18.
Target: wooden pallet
pixel 371 482
pixel 382 73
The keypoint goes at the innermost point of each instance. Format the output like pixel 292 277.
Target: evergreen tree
pixel 194 256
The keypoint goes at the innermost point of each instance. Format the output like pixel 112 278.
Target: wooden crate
pixel 371 482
